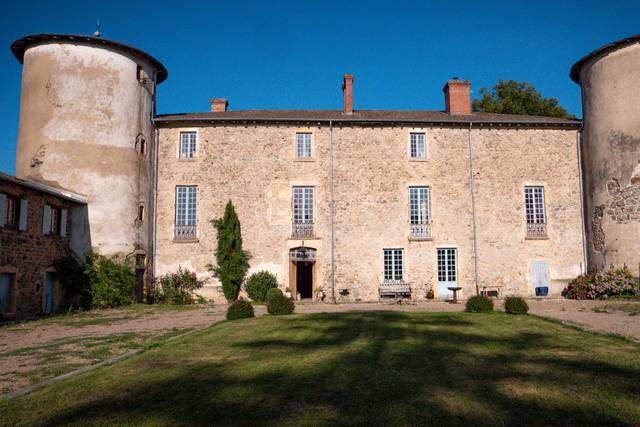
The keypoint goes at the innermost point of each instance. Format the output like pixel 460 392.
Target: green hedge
pixel 479 304
pixel 279 305
pixel 515 305
pixel 259 284
pixel 240 309
pixel 272 293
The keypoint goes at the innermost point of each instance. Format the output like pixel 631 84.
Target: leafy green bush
pixel 74 282
pixel 177 288
pixel 272 293
pixel 259 284
pixel 111 281
pixel 279 304
pixel 479 304
pixel 240 309
pixel 515 305
pixel 614 282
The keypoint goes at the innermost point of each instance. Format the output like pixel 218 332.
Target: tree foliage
pixel 511 97
pixel 232 260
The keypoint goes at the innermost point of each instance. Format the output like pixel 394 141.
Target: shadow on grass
pixel 372 369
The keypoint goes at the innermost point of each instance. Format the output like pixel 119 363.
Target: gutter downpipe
pixel 473 212
pixel 332 208
pixel 155 202
pixel 583 212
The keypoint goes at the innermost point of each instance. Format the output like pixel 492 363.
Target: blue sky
pixel 292 55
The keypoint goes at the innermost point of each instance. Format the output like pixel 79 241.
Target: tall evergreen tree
pixel 232 260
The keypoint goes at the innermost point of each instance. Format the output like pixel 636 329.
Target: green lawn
pixel 357 368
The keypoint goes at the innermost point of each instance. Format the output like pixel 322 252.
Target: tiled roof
pixel 364 116
pixel 58 192
pixel 21 45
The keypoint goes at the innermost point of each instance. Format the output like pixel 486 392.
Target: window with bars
pixel 186 203
pixel 419 212
pixel 303 145
pixel 534 205
pixel 302 205
pixel 187 145
pixel 393 265
pixel 447 265
pixel 418 145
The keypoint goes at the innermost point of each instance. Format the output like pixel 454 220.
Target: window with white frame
pixel 303 145
pixel 393 265
pixel 418 145
pixel 419 212
pixel 303 205
pixel 186 204
pixel 534 205
pixel 187 145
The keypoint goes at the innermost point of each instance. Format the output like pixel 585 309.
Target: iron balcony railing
pixel 302 230
pixel 420 231
pixel 185 232
pixel 537 230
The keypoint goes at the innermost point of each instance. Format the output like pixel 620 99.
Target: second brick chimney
pixel 347 91
pixel 457 96
pixel 219 105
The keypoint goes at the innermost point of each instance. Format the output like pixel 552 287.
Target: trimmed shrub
pixel 280 304
pixel 177 288
pixel 272 293
pixel 240 309
pixel 615 282
pixel 111 281
pixel 259 284
pixel 515 305
pixel 479 304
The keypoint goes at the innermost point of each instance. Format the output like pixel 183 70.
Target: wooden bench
pixel 398 290
pixel 494 291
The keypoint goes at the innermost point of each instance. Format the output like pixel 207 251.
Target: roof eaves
pixel 58 192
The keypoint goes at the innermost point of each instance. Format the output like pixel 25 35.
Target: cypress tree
pixel 232 260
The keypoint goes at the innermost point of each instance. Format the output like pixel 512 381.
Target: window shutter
pixel 24 212
pixel 63 222
pixel 3 207
pixel 46 220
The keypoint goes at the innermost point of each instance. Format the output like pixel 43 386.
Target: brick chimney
pixel 219 105
pixel 347 92
pixel 457 96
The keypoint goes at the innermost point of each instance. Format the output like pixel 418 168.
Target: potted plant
pixel 287 293
pixel 320 294
pixel 430 294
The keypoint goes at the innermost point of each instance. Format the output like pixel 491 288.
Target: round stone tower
pixel 86 125
pixel 610 82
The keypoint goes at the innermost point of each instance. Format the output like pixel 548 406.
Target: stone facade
pixel 27 253
pixel 254 165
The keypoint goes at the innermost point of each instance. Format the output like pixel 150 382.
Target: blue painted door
pixel 447 271
pixel 49 283
pixel 6 285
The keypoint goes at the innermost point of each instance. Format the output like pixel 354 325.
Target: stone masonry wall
pixel 255 167
pixel 30 254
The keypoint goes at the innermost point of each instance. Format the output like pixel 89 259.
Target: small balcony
pixel 302 230
pixel 420 232
pixel 185 232
pixel 537 231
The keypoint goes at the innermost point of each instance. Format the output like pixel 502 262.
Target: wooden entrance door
pixel 49 284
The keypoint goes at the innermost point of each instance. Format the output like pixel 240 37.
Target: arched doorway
pixel 302 271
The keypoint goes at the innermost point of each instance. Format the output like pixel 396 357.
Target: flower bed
pixel 615 282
